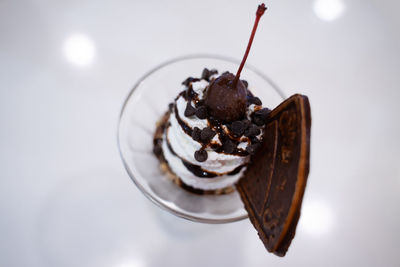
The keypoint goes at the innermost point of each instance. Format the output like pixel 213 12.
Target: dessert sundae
pixel 205 139
pixel 216 137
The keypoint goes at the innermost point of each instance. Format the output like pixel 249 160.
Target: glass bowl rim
pixel 127 98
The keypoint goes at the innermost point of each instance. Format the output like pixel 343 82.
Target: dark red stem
pixel 260 11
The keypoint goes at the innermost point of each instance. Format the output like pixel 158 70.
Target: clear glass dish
pixel 144 106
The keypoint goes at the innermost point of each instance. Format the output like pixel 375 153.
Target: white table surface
pixel 66 67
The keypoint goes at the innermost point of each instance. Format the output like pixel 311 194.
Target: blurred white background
pixel 66 67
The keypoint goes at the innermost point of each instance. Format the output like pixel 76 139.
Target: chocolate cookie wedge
pixel 273 186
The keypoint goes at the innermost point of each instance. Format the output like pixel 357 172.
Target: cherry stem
pixel 260 11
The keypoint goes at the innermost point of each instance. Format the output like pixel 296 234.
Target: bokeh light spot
pixel 79 50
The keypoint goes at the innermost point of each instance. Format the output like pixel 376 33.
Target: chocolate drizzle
pixel 236 170
pixel 186 128
pixel 198 171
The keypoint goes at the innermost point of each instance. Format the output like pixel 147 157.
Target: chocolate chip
pixel 223 137
pixel 246 84
pixel 170 106
pixel 229 147
pixel 214 122
pixel 207 134
pixel 201 112
pixel 252 149
pixel 258 121
pixel 201 155
pixel 263 112
pixel 196 134
pixel 157 141
pixel 190 80
pixel 189 110
pixel 253 100
pixel 238 128
pixel 157 150
pixel 190 93
pixel 200 103
pixel 187 81
pixel 247 123
pixel 215 147
pixel 260 116
pixel 253 130
pixel 213 71
pixel 206 74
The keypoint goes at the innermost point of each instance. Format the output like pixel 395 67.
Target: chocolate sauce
pixel 192 189
pixel 198 171
pixel 186 128
pixel 171 150
pixel 236 170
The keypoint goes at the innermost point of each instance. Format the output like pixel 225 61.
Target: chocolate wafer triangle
pixel 273 186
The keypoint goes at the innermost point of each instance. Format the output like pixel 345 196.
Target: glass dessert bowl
pixel 143 108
